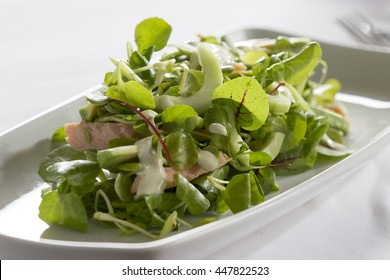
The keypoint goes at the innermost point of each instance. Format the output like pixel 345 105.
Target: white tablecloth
pixel 52 50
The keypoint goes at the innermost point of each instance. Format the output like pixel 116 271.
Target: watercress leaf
pixel 257 193
pixel 156 220
pixel 122 186
pixel 182 148
pixel 162 202
pixel 137 60
pixel 237 195
pixel 297 68
pixel 252 57
pixel 326 92
pixel 267 179
pixel 64 209
pixel 170 224
pixel 75 172
pixel 296 122
pixel 216 115
pixel 259 158
pixel 152 32
pixel 179 117
pixel 204 183
pixel 168 202
pixel 132 93
pixel 247 99
pixel 259 67
pixel 62 153
pixel 185 191
pixel 220 205
pixel 290 44
pixel 83 189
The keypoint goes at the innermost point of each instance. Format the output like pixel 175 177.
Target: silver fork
pixel 364 30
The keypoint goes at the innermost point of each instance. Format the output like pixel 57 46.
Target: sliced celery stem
pixel 201 100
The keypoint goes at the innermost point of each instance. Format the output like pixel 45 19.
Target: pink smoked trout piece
pixel 95 135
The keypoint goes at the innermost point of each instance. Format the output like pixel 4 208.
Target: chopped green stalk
pixel 201 100
pixel 279 104
pixel 111 158
pixel 273 144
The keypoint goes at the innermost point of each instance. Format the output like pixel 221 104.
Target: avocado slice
pixel 88 112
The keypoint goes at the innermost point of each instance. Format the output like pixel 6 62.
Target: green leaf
pixel 132 93
pixel 296 131
pixel 64 209
pixel 259 158
pixel 185 191
pixel 220 206
pixel 247 99
pixel 152 33
pixel 257 193
pixel 252 57
pixel 297 68
pixel 63 153
pixel 237 195
pixel 326 93
pixel 170 224
pixel 182 148
pixel 164 202
pixel 204 183
pixel 305 154
pixel 123 187
pixel 136 61
pixel 217 115
pixel 267 180
pixel 179 117
pixel 82 190
pixel 75 172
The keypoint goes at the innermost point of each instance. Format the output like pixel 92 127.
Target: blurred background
pixel 53 50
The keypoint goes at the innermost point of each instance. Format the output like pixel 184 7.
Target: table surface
pixel 52 50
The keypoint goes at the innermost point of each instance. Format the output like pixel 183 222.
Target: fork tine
pixel 350 26
pixel 371 29
pixel 361 27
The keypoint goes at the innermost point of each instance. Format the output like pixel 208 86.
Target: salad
pixel 202 129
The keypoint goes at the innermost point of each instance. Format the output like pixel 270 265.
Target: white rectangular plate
pixel 24 235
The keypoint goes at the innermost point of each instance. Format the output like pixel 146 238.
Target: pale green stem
pixel 109 218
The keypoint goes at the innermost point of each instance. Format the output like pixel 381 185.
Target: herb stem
pixel 184 223
pixel 218 183
pixel 109 218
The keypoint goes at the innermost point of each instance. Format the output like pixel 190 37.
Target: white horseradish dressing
pixel 152 178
